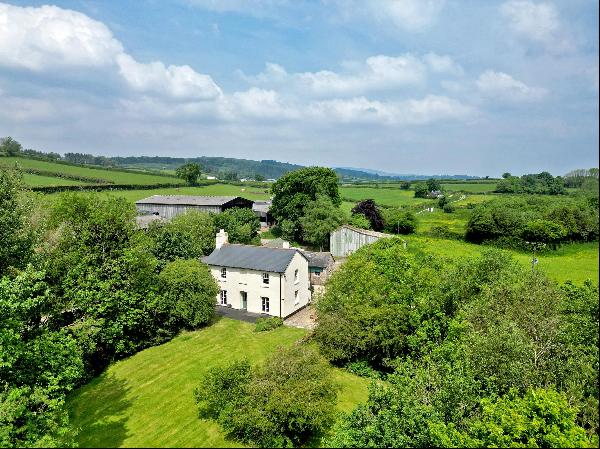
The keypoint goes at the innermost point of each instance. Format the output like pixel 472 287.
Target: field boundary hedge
pixel 53 174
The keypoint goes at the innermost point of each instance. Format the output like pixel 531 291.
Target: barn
pixel 169 206
pixel 347 239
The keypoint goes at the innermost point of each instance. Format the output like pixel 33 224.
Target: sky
pixel 404 86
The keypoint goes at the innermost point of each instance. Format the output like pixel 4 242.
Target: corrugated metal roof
pixel 275 260
pixel 261 206
pixel 187 200
pixel 364 231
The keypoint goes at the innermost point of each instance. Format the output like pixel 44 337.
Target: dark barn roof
pixel 259 258
pixel 318 259
pixel 192 200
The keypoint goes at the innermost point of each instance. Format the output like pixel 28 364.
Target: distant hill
pixel 383 174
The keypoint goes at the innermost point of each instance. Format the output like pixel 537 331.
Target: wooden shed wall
pixel 345 241
pixel 169 210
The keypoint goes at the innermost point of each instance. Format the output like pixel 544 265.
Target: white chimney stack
pixel 285 244
pixel 221 239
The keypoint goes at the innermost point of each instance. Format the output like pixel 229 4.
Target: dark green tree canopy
pixel 190 172
pixel 296 189
pixel 369 209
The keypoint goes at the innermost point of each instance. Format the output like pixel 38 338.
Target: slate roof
pixel 262 206
pixel 318 259
pixel 187 200
pixel 260 258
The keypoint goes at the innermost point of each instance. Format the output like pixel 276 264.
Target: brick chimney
pixel 221 239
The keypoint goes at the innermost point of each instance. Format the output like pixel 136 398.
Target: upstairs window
pixel 224 273
pixel 296 278
pixel 265 278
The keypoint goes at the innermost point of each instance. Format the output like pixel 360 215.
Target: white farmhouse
pixel 271 281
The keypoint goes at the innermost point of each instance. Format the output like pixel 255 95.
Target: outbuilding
pixel 169 206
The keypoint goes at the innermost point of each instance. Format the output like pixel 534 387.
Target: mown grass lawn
pixel 147 399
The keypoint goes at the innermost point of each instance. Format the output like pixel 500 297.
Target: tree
pixel 360 221
pixel 404 185
pixel 320 219
pixel 541 418
pixel 241 224
pixel 10 146
pixel 258 177
pixel 399 221
pixel 506 175
pixel 16 233
pixel 284 403
pixel 189 172
pixel 433 184
pixel 187 294
pixel 421 190
pixel 294 190
pixel 369 209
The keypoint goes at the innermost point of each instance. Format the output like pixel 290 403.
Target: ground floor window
pixel 223 297
pixel 265 304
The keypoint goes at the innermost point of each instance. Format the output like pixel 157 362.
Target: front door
pixel 244 300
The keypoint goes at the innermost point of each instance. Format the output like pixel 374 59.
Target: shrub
pixel 284 403
pixel 363 369
pixel 267 324
pixel 398 221
pixel 360 221
pixel 369 209
pixel 448 208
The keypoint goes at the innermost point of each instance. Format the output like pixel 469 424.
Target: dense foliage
pixel 399 221
pixel 540 183
pixel 295 190
pixel 84 290
pixel 320 219
pixel 268 324
pixel 284 403
pixel 480 352
pixel 371 212
pixel 512 221
pixel 241 224
pixel 189 172
pixel 582 178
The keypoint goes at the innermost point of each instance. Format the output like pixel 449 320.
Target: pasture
pixel 112 176
pixel 43 181
pixel 147 400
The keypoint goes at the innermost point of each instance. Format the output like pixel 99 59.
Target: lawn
pixel 575 261
pixel 147 399
pixel 42 181
pixel 114 176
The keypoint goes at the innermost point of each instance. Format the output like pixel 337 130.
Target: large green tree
pixel 320 219
pixel 189 172
pixel 296 189
pixel 241 224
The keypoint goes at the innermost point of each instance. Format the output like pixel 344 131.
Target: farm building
pixel 261 209
pixel 258 279
pixel 347 239
pixel 169 206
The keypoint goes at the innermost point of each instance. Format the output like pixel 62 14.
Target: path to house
pixel 305 318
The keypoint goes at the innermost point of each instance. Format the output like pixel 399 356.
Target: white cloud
pixel 259 103
pixel 179 82
pixel 48 36
pixel 538 23
pixel 503 86
pixel 379 72
pixel 430 109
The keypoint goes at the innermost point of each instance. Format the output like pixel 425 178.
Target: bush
pixel 241 224
pixel 363 369
pixel 448 208
pixel 398 221
pixel 267 324
pixel 360 221
pixel 284 403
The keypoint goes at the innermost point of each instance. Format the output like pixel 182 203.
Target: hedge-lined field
pixel 147 400
pixel 45 181
pixel 251 193
pixel 112 176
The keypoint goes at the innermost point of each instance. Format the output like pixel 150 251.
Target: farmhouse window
pixel 265 278
pixel 265 304
pixel 223 297
pixel 296 300
pixel 224 273
pixel 296 279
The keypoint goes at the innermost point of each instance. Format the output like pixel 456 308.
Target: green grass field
pixel 147 399
pixel 469 187
pixel 251 193
pixel 382 196
pixel 42 181
pixel 116 177
pixel 575 261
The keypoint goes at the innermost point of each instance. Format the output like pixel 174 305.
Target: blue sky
pixel 405 86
